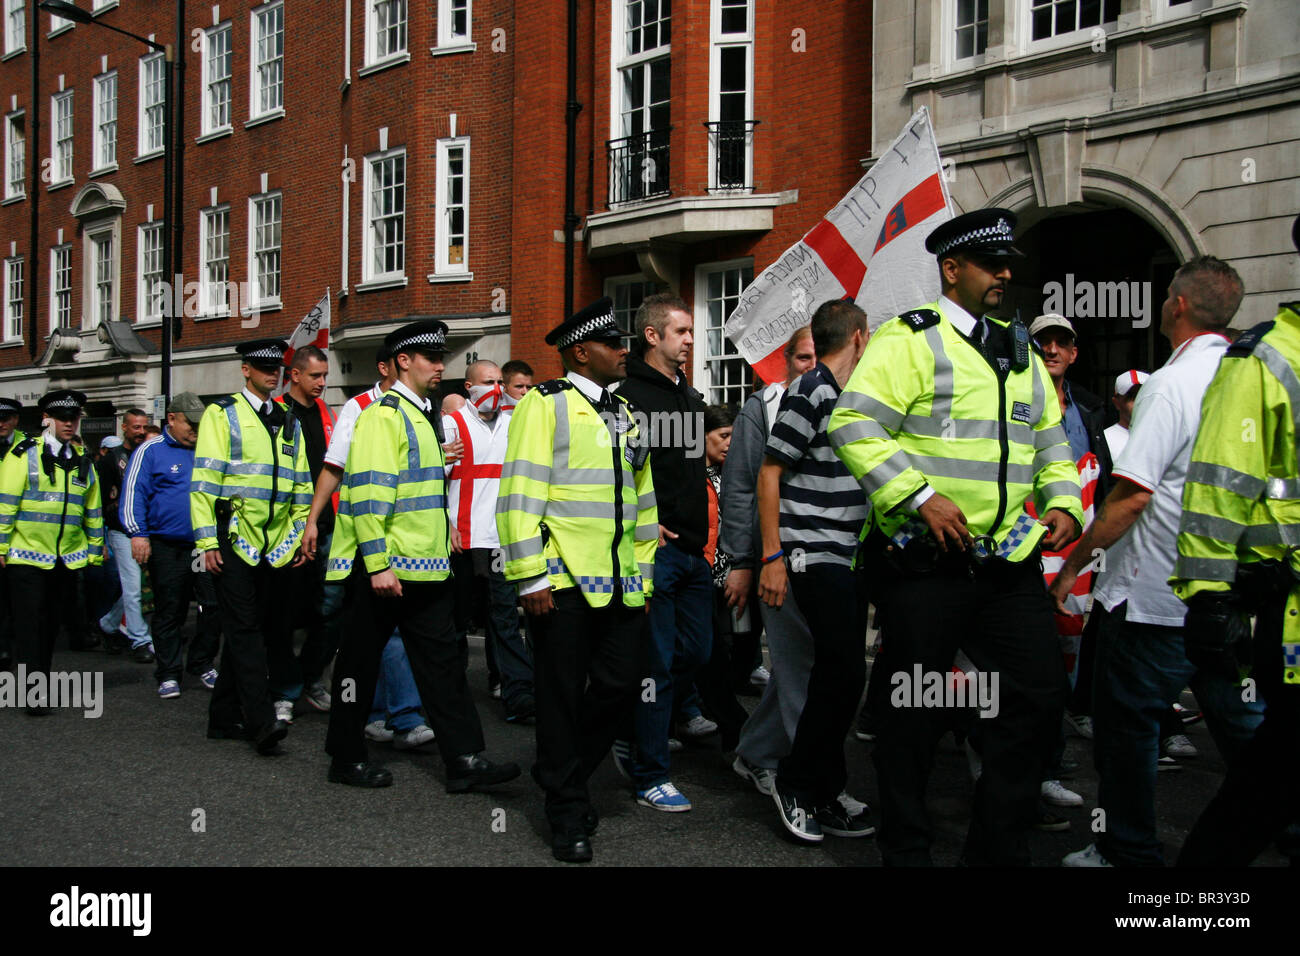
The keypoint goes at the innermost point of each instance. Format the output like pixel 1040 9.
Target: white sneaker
pixel 1167 763
pixel 1080 725
pixel 415 737
pixel 851 806
pixel 760 777
pixel 284 711
pixel 697 727
pixel 1088 856
pixel 1058 796
pixel 759 676
pixel 376 730
pixel 1178 746
pixel 674 745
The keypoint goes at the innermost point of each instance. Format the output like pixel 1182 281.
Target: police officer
pixel 1238 555
pixel 391 545
pixel 950 422
pixel 250 491
pixel 578 523
pixel 50 525
pixel 10 435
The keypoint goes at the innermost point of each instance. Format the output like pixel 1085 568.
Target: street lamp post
pixel 72 12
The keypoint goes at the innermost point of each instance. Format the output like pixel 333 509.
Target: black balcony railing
pixel 732 141
pixel 638 166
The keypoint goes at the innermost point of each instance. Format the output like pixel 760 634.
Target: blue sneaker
pixel 209 678
pixel 168 689
pixel 622 754
pixel 663 797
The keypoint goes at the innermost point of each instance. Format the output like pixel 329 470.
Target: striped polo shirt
pixel 823 508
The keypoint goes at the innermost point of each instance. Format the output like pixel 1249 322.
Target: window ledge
pixel 12 199
pixel 112 5
pixel 60 185
pixel 262 308
pixel 103 171
pixel 451 277
pixel 147 324
pixel 11 345
pixel 374 285
pixel 211 316
pixel 13 53
pixel 145 157
pixel 265 118
pixel 379 66
pixel 452 48
pixel 215 134
pixel 63 29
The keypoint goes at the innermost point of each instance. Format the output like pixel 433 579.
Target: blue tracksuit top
pixel 155 497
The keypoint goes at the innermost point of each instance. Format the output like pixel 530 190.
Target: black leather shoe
pixel 114 642
pixel 39 711
pixel 228 732
pixel 360 774
pixel 143 654
pixel 470 771
pixel 268 738
pixel 571 847
pixel 523 710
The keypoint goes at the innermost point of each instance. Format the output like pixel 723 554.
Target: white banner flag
pixel 871 246
pixel 314 329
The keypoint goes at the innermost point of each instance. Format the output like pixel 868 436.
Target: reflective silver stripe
pixel 39 517
pixel 941 407
pixel 1229 479
pixel 858 430
pixel 236 436
pixel 369 507
pixel 1037 395
pixel 968 470
pixel 412 443
pixel 1285 375
pixel 432 473
pixel 383 478
pixel 647 571
pixel 10 499
pixel 886 471
pixel 526 469
pixel 582 476
pixel 1060 489
pixel 560 445
pixel 525 503
pixel 527 548
pixel 33 478
pixel 1282 489
pixel 1226 531
pixel 875 410
pixel 586 509
pixel 1051 436
pixel 205 488
pixel 372 547
pixel 647 500
pixel 1051 455
pixel 250 468
pixel 211 464
pixel 646 532
pixel 207 531
pixel 420 503
pixel 1205 569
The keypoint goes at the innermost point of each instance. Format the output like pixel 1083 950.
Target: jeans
pixel 1141 669
pixel 513 659
pixel 128 573
pixel 681 638
pixel 397 699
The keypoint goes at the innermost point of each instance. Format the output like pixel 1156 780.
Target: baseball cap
pixel 110 441
pixel 1050 320
pixel 1125 382
pixel 189 405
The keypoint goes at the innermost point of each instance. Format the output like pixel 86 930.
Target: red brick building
pixel 408 156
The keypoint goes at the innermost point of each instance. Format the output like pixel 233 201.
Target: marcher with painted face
pixel 473 485
pixel 51 525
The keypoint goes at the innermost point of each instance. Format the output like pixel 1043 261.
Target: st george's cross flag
pixel 871 247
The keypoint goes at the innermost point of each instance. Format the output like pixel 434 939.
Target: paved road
pixel 123 790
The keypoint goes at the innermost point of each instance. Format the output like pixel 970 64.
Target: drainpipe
pixel 572 109
pixel 34 194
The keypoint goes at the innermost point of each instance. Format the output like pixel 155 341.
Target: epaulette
pixel 1247 341
pixel 23 446
pixel 391 400
pixel 225 401
pixel 554 386
pixel 920 319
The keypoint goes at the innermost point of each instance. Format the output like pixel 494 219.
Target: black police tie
pixel 606 401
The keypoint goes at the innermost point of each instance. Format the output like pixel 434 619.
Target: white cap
pixel 1125 382
pixel 1051 320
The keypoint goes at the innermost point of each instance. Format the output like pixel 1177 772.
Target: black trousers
pixel 1261 791
pixel 175 584
pixel 833 600
pixel 588 663
pixel 254 614
pixel 6 619
pixel 716 679
pixel 424 616
pixel 1001 617
pixel 35 595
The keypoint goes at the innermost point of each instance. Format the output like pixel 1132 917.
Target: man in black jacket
pixel 671 413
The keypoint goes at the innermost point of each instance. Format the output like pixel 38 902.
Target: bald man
pixel 473 484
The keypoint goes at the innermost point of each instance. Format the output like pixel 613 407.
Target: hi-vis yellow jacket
pixel 575 503
pixel 1241 501
pixel 44 518
pixel 266 484
pixel 393 502
pixel 924 406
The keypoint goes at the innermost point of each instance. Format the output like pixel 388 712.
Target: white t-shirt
pixel 1166 417
pixel 1116 438
pixel 341 439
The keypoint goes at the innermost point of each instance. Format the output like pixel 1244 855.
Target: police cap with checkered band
pixel 264 354
pixel 594 323
pixel 986 232
pixel 428 336
pixel 62 403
